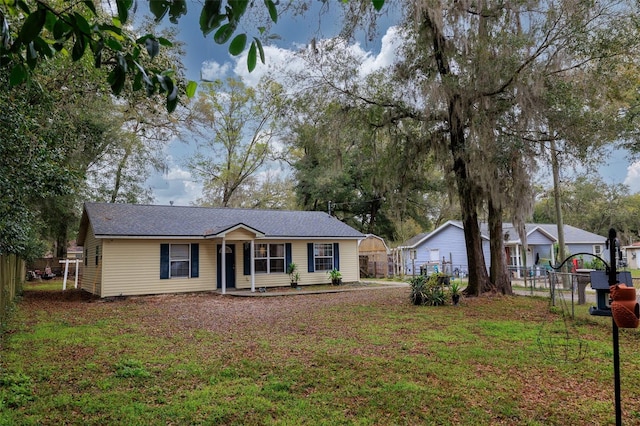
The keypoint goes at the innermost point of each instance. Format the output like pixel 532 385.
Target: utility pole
pixel 556 198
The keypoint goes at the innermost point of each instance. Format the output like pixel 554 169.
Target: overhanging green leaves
pixel 191 88
pixel 224 33
pixel 273 12
pixel 176 10
pixel 152 46
pixel 210 17
pixel 237 44
pixel 159 9
pixel 123 9
pixel 251 57
pixel 61 30
pixel 79 46
pixel 18 74
pixel 377 4
pixel 80 24
pixel 32 26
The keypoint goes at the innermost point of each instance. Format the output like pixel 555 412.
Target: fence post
pixel 12 277
pixel 21 273
pixel 3 286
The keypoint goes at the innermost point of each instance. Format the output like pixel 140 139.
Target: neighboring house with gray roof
pixel 444 248
pixel 150 249
pixel 631 255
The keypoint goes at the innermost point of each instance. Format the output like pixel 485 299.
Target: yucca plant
pixel 427 291
pixel 418 289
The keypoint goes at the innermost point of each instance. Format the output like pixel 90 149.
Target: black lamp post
pixel 613 280
pixel 605 285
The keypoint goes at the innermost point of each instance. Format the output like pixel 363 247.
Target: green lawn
pixel 365 357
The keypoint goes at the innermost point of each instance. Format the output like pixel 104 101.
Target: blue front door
pixel 230 265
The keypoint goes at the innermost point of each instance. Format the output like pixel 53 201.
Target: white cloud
pixel 276 59
pixel 176 185
pixel 633 177
pixel 212 70
pixel 389 50
pixel 279 60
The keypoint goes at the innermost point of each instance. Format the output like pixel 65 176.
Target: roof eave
pixel 209 237
pixel 148 237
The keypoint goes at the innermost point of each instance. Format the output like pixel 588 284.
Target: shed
pixel 374 256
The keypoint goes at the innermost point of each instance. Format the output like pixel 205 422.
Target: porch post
pixel 253 269
pixel 223 270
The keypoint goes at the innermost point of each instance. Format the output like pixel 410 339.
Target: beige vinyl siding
pixel 132 267
pixel 91 274
pixel 348 265
pixel 240 235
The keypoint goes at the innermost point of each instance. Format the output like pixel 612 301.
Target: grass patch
pixel 353 358
pixel 131 368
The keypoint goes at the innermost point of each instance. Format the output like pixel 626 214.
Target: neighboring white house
pixel 632 255
pixel 444 248
pixel 149 249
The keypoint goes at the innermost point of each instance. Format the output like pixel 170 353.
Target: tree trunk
pixel 373 215
pixel 478 277
pixel 469 194
pixel 499 273
pixel 118 181
pixel 62 240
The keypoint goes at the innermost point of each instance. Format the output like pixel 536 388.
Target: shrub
pixel 427 291
pixel 594 264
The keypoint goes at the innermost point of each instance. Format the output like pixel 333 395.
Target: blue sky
pixel 208 60
pixel 204 58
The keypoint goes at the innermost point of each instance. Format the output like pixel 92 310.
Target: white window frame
pixel 269 258
pixel 175 258
pixel 514 257
pixel 317 256
pixel 597 249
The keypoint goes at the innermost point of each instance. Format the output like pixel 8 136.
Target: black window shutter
pixel 311 266
pixel 287 256
pixel 195 261
pixel 336 256
pixel 246 256
pixel 86 256
pixel 164 261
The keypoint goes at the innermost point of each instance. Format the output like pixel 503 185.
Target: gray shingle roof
pixel 134 220
pixel 572 235
pixel 411 242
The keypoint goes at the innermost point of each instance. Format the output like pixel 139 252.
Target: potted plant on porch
pixel 294 275
pixel 335 276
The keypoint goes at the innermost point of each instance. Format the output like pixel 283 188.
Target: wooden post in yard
pixel 66 272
